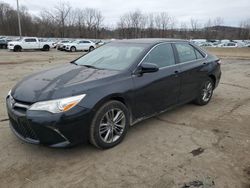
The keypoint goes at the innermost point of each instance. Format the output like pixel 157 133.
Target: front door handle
pixel 176 73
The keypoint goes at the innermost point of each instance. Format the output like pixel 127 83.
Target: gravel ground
pixel 190 146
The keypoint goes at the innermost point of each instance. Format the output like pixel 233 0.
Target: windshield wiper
pixel 73 62
pixel 90 66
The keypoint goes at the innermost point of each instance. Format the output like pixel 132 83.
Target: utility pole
pixel 19 22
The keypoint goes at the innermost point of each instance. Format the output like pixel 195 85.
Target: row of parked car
pixel 73 45
pixel 222 43
pixel 34 43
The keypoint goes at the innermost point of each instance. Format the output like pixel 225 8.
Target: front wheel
pixel 205 93
pixel 110 125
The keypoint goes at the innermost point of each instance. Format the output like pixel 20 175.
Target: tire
pixel 205 93
pixel 105 134
pixel 17 49
pixel 91 48
pixel 73 49
pixel 46 48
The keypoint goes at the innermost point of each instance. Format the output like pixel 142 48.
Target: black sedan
pixel 98 96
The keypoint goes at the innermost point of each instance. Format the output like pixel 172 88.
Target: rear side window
pixel 198 54
pixel 186 52
pixel 162 55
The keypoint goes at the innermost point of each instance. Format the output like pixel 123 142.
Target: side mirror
pixel 148 68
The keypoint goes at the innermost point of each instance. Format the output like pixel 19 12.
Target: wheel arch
pixel 115 97
pixel 213 78
pixel 18 46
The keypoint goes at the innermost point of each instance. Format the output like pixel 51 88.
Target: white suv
pixel 80 45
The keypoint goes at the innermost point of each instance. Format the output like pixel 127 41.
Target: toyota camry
pixel 98 96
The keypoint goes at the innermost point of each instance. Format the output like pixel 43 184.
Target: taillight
pixel 219 61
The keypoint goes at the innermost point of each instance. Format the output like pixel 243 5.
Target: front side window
pixel 162 55
pixel 30 40
pixel 113 56
pixel 186 52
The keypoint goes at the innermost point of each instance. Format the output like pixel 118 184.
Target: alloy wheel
pixel 112 125
pixel 207 91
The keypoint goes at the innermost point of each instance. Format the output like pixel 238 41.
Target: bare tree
pixel 61 13
pixel 162 21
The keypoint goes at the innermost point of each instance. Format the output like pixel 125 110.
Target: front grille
pixel 23 129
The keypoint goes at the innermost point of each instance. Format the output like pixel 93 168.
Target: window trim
pixel 201 51
pixel 176 55
pixel 152 48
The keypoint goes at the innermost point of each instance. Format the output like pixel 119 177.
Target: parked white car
pixel 230 45
pixel 80 45
pixel 60 45
pixel 207 44
pixel 28 43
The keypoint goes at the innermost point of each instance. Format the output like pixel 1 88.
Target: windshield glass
pixel 113 56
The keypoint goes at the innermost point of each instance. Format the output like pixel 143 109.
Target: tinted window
pixel 186 52
pixel 30 40
pixel 198 54
pixel 162 55
pixel 86 42
pixel 113 56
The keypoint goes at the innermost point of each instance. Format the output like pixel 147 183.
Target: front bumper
pixel 54 130
pixel 10 47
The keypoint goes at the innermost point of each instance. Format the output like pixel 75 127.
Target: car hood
pixel 60 82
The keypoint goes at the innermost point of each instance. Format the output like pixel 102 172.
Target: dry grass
pixel 231 53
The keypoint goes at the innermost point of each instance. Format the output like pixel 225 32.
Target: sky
pixel 232 11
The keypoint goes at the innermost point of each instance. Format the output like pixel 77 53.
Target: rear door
pixel 81 45
pixel 191 65
pixel 85 45
pixel 154 92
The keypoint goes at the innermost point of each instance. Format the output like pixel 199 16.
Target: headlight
pixel 58 105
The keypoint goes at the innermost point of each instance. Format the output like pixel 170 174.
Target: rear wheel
pixel 46 48
pixel 110 124
pixel 73 49
pixel 206 92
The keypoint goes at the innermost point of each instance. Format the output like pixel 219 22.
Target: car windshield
pixel 113 56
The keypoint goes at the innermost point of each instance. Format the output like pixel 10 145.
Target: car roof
pixel 149 40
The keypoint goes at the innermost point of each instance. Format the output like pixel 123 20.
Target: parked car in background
pixel 99 95
pixel 80 45
pixel 207 44
pixel 3 43
pixel 99 43
pixel 28 43
pixel 60 45
pixel 230 45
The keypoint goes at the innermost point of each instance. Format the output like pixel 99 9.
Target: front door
pixel 154 92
